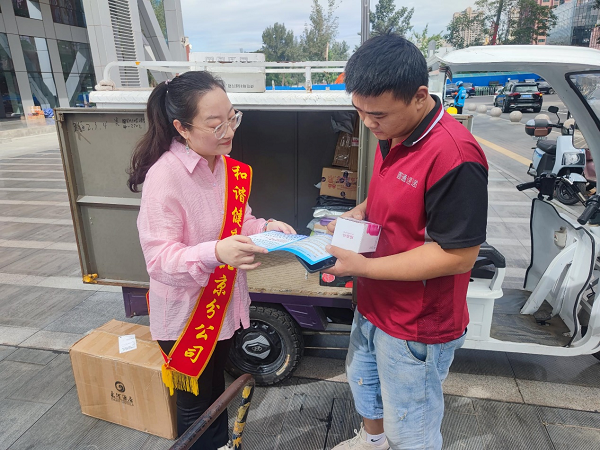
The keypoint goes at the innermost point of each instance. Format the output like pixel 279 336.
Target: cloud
pixel 231 25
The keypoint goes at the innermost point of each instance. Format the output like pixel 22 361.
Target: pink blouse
pixel 180 219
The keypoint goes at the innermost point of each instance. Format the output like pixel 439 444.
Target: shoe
pixel 228 446
pixel 359 442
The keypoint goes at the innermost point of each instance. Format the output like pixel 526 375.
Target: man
pixel 461 95
pixel 429 193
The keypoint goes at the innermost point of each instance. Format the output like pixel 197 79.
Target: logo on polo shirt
pixel 407 179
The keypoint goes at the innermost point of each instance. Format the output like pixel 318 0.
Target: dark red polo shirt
pixel 432 187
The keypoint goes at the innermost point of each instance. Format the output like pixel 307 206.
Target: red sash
pixel 192 351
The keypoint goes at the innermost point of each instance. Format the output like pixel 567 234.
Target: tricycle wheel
pixel 270 349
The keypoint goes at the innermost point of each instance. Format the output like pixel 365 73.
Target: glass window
pixel 9 90
pixel 587 86
pixel 35 51
pixel 68 12
pixel 27 8
pixel 526 88
pixel 78 71
pixel 5 56
pixel 43 90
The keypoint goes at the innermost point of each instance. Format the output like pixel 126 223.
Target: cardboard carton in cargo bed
pixel 124 388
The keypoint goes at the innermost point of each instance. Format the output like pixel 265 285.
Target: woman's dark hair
pixel 386 63
pixel 175 99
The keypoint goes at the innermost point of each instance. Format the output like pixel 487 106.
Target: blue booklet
pixel 309 248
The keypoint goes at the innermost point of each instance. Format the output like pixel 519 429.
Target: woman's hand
pixel 238 251
pixel 276 225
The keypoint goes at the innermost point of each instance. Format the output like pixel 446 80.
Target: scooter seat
pixel 488 256
pixel 548 146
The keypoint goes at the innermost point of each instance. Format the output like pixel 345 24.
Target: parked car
pixel 544 87
pixel 519 96
pixel 451 89
pixel 470 89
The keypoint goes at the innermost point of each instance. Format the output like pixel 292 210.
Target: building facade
pixel 474 33
pixel 575 25
pixel 52 52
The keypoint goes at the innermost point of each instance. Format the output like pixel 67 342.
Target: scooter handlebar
pixel 523 186
pixel 592 206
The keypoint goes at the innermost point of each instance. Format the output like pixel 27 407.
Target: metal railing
pixel 245 385
pixel 173 67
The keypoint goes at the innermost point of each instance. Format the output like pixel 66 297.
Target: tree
pixel 422 40
pixel 459 28
pixel 521 21
pixel 386 18
pixel 279 44
pixel 320 34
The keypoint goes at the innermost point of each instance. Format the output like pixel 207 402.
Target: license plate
pixel 526 96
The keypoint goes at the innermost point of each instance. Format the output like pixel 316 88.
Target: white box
pixel 358 236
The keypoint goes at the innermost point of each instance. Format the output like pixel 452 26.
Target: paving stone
pixel 52 340
pixel 112 437
pixel 5 351
pixel 569 417
pixel 32 356
pixel 17 416
pixel 15 335
pixel 569 438
pixel 510 426
pixel 61 427
pixel 14 375
pixel 49 384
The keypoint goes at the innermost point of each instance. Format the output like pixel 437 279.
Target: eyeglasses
pixel 221 129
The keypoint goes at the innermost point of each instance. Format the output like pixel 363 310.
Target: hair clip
pixel 167 82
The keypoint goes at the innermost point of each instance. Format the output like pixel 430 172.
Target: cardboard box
pixel 326 279
pixel 339 183
pixel 346 150
pixel 123 388
pixel 358 236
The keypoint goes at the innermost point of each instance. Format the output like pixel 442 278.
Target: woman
pixel 193 226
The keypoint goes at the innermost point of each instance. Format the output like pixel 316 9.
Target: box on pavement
pixel 359 236
pixel 123 388
pixel 340 183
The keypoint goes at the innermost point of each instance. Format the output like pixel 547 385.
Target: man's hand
pixel 348 263
pixel 358 213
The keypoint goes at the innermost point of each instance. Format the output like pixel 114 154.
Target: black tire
pixel 274 332
pixel 537 110
pixel 505 107
pixel 550 91
pixel 564 196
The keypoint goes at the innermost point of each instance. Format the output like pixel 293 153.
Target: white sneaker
pixel 228 446
pixel 359 442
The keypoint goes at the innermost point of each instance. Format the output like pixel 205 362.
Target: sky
pixel 231 25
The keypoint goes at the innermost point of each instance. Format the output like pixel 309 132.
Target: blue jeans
pixel 401 382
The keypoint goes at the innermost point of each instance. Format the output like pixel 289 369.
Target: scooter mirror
pixel 553 109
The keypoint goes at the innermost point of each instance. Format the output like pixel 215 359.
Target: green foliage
pixel 423 39
pixel 521 21
pixel 317 43
pixel 460 25
pixel 386 18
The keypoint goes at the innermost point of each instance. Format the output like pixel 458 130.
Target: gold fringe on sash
pixel 177 380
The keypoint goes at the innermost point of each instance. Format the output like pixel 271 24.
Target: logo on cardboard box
pixel 120 396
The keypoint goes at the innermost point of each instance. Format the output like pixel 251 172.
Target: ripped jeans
pixel 401 382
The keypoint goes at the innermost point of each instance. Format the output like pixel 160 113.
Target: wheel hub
pixel 256 345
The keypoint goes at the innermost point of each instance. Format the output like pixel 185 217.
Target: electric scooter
pixel 557 156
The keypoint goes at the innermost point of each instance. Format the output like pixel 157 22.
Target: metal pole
pixel 365 26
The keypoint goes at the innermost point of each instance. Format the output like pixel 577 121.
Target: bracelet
pixel 267 224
